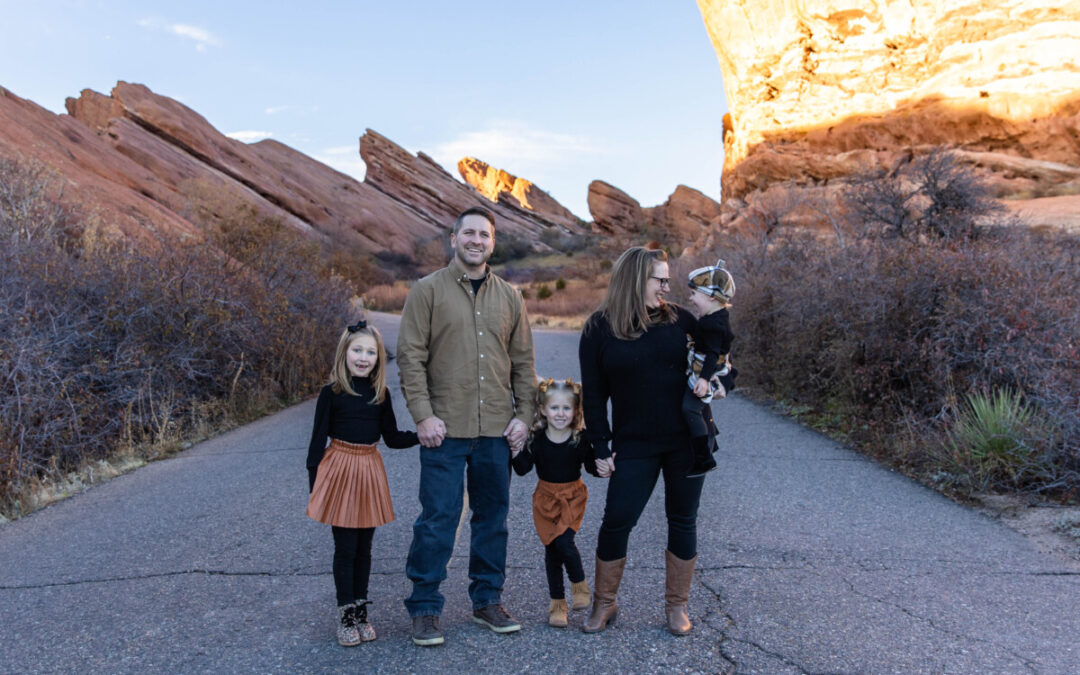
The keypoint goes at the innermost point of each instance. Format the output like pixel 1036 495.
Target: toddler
pixel 709 371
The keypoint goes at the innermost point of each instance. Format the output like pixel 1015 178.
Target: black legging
pixel 629 491
pixel 562 552
pixel 352 563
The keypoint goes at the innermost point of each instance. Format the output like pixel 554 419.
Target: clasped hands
pixel 432 432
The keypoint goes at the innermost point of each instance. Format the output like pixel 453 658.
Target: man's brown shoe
pixel 425 631
pixel 496 618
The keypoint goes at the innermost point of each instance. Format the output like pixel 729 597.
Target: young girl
pixel 558 451
pixel 346 477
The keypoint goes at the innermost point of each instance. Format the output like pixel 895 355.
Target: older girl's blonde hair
pixel 624 305
pixel 545 389
pixel 341 379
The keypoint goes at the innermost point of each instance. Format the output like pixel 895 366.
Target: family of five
pixel 465 356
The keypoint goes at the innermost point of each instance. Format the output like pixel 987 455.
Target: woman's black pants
pixel 628 492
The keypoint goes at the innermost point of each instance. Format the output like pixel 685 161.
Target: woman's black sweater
pixel 354 419
pixel 644 378
pixel 555 462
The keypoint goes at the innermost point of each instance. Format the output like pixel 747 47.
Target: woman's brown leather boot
pixel 605 589
pixel 680 574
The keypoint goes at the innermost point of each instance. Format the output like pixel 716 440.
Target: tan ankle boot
pixel 680 574
pixel 604 608
pixel 579 591
pixel 557 613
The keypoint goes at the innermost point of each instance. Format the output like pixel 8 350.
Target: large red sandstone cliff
pixel 820 89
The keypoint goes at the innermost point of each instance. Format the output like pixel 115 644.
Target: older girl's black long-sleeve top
pixel 643 378
pixel 354 419
pixel 555 462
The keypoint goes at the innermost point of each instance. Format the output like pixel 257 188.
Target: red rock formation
pixel 614 211
pixel 148 164
pixel 95 178
pixel 811 82
pixel 685 214
pixel 433 194
pixel 498 185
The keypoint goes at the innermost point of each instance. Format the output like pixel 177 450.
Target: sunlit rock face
pixel 502 186
pixel 820 88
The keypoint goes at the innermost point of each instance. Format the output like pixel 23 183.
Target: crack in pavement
pixel 177 573
pixel 727 656
pixel 1030 666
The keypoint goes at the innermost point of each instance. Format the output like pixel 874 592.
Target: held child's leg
pixel 698 414
pixel 691 409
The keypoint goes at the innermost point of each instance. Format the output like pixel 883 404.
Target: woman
pixel 633 352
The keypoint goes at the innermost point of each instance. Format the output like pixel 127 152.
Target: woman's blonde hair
pixel 545 389
pixel 341 379
pixel 624 305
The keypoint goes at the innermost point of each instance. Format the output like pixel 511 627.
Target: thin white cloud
pixel 200 36
pixel 249 136
pixel 506 144
pixel 275 109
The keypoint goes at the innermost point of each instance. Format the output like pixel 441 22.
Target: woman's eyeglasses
pixel 665 282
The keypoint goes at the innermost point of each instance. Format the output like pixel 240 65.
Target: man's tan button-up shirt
pixel 466 358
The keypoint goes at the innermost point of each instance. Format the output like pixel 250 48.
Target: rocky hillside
pixel 147 165
pixel 820 89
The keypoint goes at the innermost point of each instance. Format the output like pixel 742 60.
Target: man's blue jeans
pixel 486 463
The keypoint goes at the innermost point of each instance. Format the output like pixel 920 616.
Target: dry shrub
pixel 881 332
pixel 576 301
pixel 887 335
pixel 386 297
pixel 107 349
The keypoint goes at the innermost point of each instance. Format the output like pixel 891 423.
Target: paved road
pixel 812 560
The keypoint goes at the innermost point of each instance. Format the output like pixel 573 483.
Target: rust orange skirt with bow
pixel 558 507
pixel 350 487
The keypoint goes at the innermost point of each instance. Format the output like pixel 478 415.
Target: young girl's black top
pixel 555 462
pixel 354 419
pixel 713 338
pixel 644 378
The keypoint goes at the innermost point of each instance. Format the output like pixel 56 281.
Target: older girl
pixel 346 476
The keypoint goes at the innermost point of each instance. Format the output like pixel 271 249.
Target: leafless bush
pixel 105 347
pixel 386 297
pixel 932 195
pixel 30 202
pixel 884 337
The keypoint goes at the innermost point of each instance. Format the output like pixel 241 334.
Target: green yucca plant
pixel 995 435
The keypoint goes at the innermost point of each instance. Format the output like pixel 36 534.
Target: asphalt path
pixel 812 559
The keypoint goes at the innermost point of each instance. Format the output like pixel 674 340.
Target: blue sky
pixel 560 92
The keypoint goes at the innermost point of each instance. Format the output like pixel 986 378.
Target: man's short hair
pixel 474 211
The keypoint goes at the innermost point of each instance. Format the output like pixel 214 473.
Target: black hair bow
pixel 359 325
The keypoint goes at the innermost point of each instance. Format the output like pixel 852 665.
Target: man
pixel 465 353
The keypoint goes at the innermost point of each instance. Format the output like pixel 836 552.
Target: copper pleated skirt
pixel 558 507
pixel 350 487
